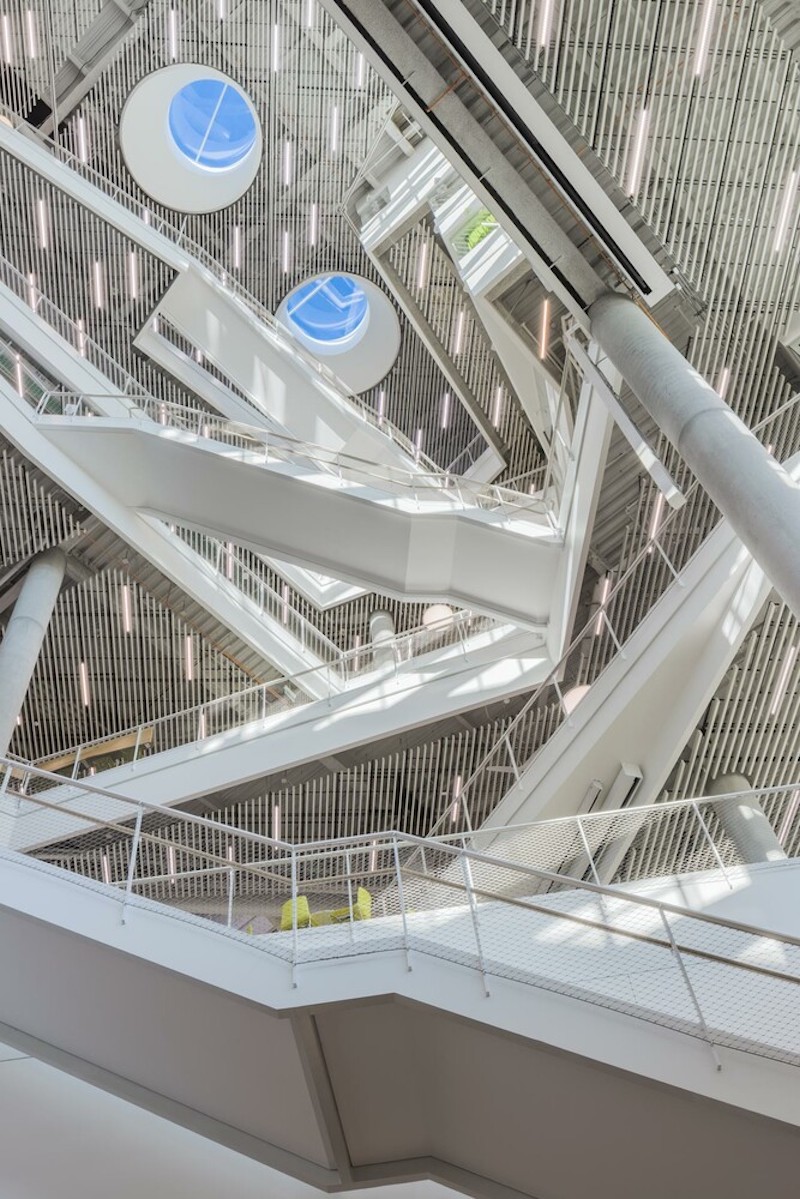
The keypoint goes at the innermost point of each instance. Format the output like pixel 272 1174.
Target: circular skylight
pixel 346 321
pixel 329 310
pixel 212 124
pixel 188 124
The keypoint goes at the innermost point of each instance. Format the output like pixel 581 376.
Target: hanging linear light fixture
pixel 422 265
pixel 497 407
pixel 789 193
pixel 458 340
pixel 704 35
pixel 637 152
pixel 97 283
pixel 41 223
pixel 455 803
pixel 544 330
pixel 8 45
pixel 723 380
pixel 172 33
pixel 127 612
pixel 84 682
pixel 545 22
pixel 133 275
pixel 30 33
pixel 445 409
pixel 782 683
pixel 83 139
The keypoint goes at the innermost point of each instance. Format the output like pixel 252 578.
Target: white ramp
pixel 586 1069
pixel 423 543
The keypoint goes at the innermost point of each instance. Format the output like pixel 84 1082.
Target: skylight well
pixel 191 137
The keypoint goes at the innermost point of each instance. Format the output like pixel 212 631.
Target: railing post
pixel 294 916
pixel 402 900
pixel 76 763
pixel 587 850
pixel 514 765
pixel 137 744
pixel 348 868
pixel 473 907
pixel 462 638
pixel 231 887
pixel 695 1001
pixel 710 840
pixel 675 573
pixel 612 634
pixel 560 694
pixel 137 836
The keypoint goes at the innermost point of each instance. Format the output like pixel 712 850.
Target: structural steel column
pixel 752 491
pixel 25 631
pixel 744 821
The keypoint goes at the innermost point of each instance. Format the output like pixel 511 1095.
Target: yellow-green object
pixel 303 914
pixel 362 908
pixel 483 226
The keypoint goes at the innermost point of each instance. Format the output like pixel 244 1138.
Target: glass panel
pixel 212 124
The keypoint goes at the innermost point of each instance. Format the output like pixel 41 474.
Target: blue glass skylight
pixel 212 124
pixel 328 309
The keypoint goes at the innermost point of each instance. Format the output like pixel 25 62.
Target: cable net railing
pixel 269 447
pixel 253 706
pixel 729 984
pixel 638 843
pixel 169 330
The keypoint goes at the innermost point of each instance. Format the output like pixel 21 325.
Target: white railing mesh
pixel 732 985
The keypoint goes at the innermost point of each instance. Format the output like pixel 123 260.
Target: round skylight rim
pixel 157 163
pixel 206 113
pixel 367 351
